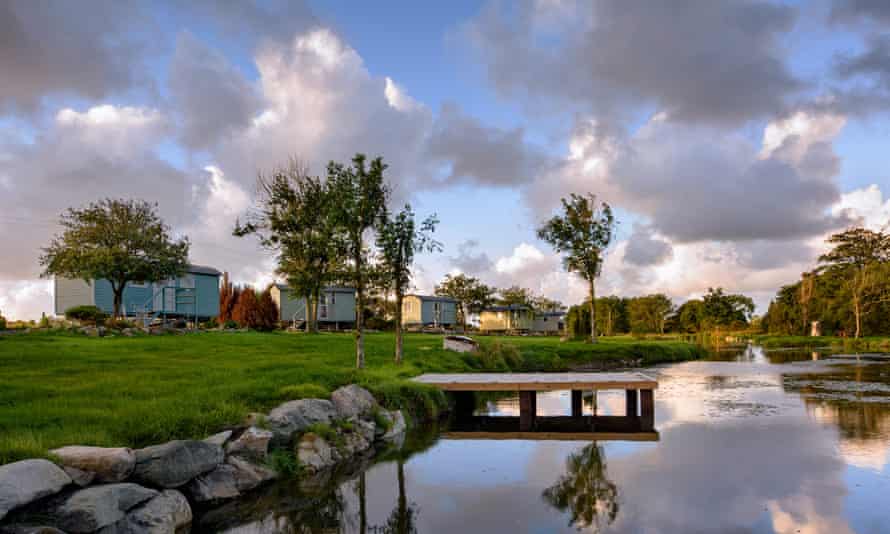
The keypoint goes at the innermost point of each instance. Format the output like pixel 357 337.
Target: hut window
pixel 187 282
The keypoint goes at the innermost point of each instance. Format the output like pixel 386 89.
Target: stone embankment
pixel 155 489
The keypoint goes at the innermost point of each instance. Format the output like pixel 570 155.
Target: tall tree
pixel 582 234
pixel 119 240
pixel 294 217
pixel 649 313
pixel 472 296
pixel 515 295
pixel 399 239
pixel 861 257
pixel 360 194
pixel 726 309
pixel 585 490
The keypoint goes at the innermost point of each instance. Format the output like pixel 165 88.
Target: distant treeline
pixel 657 314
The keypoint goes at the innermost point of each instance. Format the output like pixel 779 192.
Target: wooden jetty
pixel 639 390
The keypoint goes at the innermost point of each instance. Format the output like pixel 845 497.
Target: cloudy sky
pixel 731 136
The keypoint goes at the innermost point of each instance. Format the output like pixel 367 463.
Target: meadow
pixel 59 388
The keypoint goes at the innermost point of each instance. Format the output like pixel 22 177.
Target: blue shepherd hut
pixel 194 295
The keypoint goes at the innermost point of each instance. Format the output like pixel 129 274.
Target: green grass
pixel 62 389
pixel 838 343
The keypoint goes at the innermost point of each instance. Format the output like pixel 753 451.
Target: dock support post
pixel 631 403
pixel 577 403
pixel 527 410
pixel 647 409
pixel 464 403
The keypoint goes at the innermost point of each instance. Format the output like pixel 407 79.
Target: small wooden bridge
pixel 639 390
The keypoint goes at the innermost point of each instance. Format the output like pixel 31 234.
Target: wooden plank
pixel 555 436
pixel 537 381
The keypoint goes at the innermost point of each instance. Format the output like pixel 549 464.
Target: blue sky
pixel 731 137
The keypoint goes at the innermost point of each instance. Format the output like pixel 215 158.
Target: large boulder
pixel 108 464
pixel 24 482
pixel 167 513
pixel 173 464
pixel 353 401
pixel 295 416
pixel 249 475
pixel 252 443
pixel 397 426
pixel 29 529
pixel 219 439
pixel 91 509
pixel 214 486
pixel 314 453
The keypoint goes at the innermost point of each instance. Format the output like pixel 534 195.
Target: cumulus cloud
pixel 860 11
pixel 644 248
pixel 64 48
pixel 213 98
pixel 472 151
pixel 697 60
pixel 469 261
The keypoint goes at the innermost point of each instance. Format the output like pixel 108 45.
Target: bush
pixel 230 324
pixel 500 356
pixel 86 314
pixel 44 321
pixel 210 324
pixel 378 323
pixel 304 391
pixel 120 324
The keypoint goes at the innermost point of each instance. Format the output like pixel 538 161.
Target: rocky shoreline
pixel 156 489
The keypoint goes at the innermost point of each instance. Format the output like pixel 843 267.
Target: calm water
pixel 780 442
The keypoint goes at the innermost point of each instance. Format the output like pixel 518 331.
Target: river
pixel 748 441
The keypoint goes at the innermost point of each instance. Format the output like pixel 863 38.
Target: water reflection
pixel 584 491
pixel 750 441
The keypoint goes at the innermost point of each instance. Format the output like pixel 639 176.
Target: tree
pixel 294 216
pixel 649 313
pixel 542 303
pixel 246 311
pixel 399 240
pixel 228 297
pixel 515 295
pixel 860 256
pixel 582 234
pixel 726 310
pixel 118 240
pixel 359 204
pixel 611 315
pixel 585 490
pixel 472 296
pixel 690 316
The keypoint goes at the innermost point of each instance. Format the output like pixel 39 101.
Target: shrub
pixel 417 401
pixel 500 356
pixel 378 323
pixel 210 324
pixel 284 462
pixel 230 324
pixel 120 324
pixel 86 314
pixel 304 391
pixel 44 321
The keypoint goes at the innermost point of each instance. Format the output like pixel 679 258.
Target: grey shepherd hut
pixel 336 306
pixel 194 295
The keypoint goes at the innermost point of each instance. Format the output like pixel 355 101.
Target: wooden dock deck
pixel 639 389
pixel 537 381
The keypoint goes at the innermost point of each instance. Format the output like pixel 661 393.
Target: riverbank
pixel 62 389
pixel 879 344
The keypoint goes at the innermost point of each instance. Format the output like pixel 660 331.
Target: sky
pixel 731 137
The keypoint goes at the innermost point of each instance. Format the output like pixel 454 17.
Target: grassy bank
pixel 59 389
pixel 878 344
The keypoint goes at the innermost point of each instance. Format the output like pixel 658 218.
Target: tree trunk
pixel 403 500
pixel 592 312
pixel 857 311
pixel 313 317
pixel 118 291
pixel 359 315
pixel 398 319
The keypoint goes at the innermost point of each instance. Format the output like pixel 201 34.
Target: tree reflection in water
pixel 585 491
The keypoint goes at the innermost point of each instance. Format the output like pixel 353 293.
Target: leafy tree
pixel 726 310
pixel 399 239
pixel 359 195
pixel 294 216
pixel 515 295
pixel 472 296
pixel 690 316
pixel 542 303
pixel 118 240
pixel 611 315
pixel 246 312
pixel 649 313
pixel 582 234
pixel 585 491
pixel 860 256
pixel 228 297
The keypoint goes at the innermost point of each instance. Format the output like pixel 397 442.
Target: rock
pixel 353 401
pixel 90 509
pixel 295 416
pixel 354 443
pixel 174 463
pixel 128 332
pixel 314 453
pixel 397 425
pixel 366 429
pixel 26 481
pixel 255 419
pixel 253 443
pixel 214 486
pixel 219 439
pixel 109 464
pixel 460 344
pixel 29 529
pixel 81 478
pixel 166 513
pixel 249 475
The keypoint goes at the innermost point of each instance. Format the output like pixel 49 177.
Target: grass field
pixel 60 389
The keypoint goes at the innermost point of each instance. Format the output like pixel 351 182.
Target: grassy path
pixel 60 389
